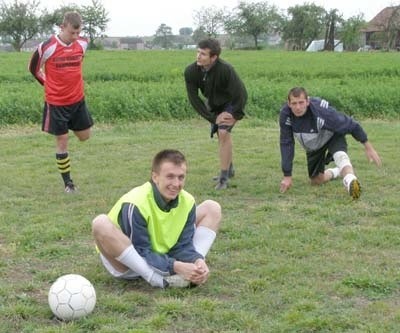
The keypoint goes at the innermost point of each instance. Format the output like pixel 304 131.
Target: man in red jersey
pixel 57 65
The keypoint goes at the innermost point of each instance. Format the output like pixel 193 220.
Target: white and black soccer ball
pixel 71 296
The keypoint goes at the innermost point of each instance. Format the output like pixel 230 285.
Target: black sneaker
pixel 70 187
pixel 222 184
pixel 231 174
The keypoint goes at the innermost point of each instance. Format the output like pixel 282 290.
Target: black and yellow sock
pixel 64 166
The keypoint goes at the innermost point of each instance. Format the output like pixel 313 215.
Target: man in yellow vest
pixel 156 231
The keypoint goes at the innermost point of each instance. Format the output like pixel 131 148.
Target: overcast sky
pixel 143 17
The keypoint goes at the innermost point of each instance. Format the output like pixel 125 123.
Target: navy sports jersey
pixel 313 130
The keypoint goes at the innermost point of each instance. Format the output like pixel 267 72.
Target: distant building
pixel 388 19
pixel 274 39
pixel 318 45
pixel 6 47
pixel 123 43
pixel 110 43
pixel 132 43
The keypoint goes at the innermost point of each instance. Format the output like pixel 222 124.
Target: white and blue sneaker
pixel 176 281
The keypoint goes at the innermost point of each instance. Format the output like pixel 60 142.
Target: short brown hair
pixel 297 92
pixel 167 155
pixel 212 44
pixel 73 18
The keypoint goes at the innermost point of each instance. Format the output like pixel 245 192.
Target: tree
pixel 95 19
pixel 253 19
pixel 19 22
pixel 305 23
pixel 350 33
pixel 233 28
pixel 163 36
pixel 209 20
pixel 332 20
pixel 185 31
pixel 199 34
pixel 56 17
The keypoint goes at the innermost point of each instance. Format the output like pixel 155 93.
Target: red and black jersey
pixel 58 66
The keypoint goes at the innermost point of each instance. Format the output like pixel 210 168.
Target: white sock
pixel 203 239
pixel 335 172
pixel 130 258
pixel 348 179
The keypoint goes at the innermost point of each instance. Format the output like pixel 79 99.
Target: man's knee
pixel 209 214
pixel 213 207
pixel 342 160
pixel 101 225
pixel 84 138
pixel 83 135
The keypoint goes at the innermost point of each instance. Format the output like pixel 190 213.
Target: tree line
pixel 298 26
pixel 21 21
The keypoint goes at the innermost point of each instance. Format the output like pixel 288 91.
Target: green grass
pixel 310 260
pixel 149 85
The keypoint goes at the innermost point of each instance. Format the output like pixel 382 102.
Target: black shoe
pixel 231 174
pixel 222 184
pixel 70 187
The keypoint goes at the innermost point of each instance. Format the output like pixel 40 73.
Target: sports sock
pixel 203 239
pixel 335 172
pixel 64 166
pixel 348 179
pixel 130 258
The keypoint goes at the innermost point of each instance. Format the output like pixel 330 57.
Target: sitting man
pixel 156 231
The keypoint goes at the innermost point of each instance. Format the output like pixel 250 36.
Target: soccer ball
pixel 71 296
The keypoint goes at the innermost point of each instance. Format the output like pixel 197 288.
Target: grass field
pixel 148 85
pixel 310 260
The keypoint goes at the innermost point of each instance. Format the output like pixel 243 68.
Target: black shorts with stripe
pixel 316 160
pixel 58 119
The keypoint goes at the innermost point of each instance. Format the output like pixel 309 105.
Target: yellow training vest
pixel 164 228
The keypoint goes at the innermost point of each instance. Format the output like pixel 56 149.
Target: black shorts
pixel 215 128
pixel 316 160
pixel 58 119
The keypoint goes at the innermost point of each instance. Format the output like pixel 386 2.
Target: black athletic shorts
pixel 215 128
pixel 316 160
pixel 58 119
